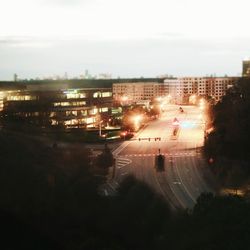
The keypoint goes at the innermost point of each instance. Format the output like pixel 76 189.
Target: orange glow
pixel 124 98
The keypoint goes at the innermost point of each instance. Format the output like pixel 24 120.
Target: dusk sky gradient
pixel 129 38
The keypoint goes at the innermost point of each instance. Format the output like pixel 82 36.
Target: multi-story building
pixel 180 89
pixel 71 108
pixel 173 88
pixel 128 93
pixel 246 68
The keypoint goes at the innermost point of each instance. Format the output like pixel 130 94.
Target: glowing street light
pixel 123 134
pixel 202 104
pixel 137 119
pixel 124 98
pixel 192 99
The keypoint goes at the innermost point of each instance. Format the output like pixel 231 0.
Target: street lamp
pixel 202 104
pixel 124 100
pixel 100 128
pixel 124 134
pixel 137 120
pixel 192 99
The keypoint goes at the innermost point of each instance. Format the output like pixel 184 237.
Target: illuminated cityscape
pixel 124 125
pixel 161 132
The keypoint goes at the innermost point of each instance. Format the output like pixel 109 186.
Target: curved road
pixel 185 175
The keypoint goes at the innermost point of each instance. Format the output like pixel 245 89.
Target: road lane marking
pixel 187 191
pixel 122 162
pixel 120 148
pixel 110 185
pixel 180 154
pixel 177 182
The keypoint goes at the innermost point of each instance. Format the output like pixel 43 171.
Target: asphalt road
pixel 185 173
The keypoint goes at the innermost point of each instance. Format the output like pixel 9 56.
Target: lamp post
pixel 100 128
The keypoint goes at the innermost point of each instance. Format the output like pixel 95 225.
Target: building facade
pixel 129 93
pixel 181 89
pixel 246 68
pixel 71 108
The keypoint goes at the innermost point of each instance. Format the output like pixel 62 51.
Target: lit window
pixel 52 114
pixel 75 95
pixel 97 94
pixel 71 113
pixel 93 111
pixel 71 122
pixel 78 103
pixel 83 112
pixel 21 98
pixel 54 122
pixel 63 104
pixel 106 94
pixel 89 120
pixel 103 109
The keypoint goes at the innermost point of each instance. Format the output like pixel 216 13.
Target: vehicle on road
pixel 159 162
pixel 175 131
pixel 176 122
pixel 126 135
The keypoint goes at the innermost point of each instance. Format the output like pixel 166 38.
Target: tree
pixel 105 159
pixel 128 121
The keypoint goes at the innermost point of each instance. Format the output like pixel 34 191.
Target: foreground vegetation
pixel 49 200
pixel 229 143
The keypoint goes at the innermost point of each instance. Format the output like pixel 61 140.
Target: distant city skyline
pixel 130 38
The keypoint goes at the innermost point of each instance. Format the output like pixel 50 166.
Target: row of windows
pixel 68 94
pixel 21 98
pixel 102 94
pixel 87 121
pixel 66 113
pixel 64 104
pixel 75 95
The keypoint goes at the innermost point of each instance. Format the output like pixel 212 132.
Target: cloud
pixel 173 54
pixel 66 2
pixel 21 42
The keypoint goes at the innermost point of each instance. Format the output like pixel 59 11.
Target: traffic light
pixel 157 138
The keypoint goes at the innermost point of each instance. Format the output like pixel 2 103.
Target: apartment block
pixel 180 89
pixel 128 93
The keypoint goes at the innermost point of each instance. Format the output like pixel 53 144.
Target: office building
pixel 71 108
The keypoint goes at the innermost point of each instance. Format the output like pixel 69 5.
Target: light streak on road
pixel 187 168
